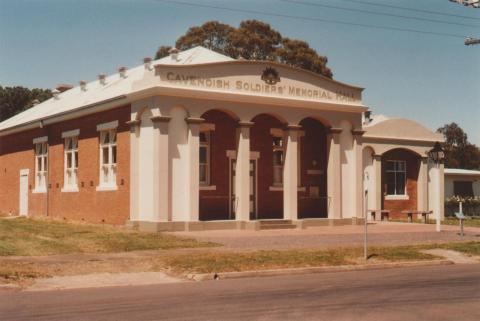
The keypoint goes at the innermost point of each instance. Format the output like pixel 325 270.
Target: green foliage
pixel 252 40
pixel 14 100
pixel 459 152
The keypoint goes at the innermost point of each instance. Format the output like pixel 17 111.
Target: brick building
pixel 198 140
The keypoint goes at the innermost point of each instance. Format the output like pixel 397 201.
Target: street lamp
pixel 436 154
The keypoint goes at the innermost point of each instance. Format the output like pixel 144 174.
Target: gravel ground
pixel 383 234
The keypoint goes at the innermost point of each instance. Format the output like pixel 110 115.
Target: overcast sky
pixel 433 79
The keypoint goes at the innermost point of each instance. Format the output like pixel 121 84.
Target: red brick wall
pixel 214 204
pixel 413 166
pixel 16 152
pixel 270 203
pixel 313 156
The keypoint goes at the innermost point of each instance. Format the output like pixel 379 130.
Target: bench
pixel 383 213
pixel 410 214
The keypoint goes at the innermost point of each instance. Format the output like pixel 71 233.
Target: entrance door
pixel 253 189
pixel 23 193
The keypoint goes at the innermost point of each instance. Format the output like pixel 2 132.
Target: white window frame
pixel 404 171
pixel 41 157
pixel 70 181
pixel 206 145
pixel 108 170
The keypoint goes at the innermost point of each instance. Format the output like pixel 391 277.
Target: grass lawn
pixel 23 236
pixel 262 260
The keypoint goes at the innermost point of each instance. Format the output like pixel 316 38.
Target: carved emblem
pixel 270 76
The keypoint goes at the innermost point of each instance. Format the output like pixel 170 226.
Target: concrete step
pixel 275 222
pixel 278 226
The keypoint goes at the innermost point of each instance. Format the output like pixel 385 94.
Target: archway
pixel 266 139
pixel 217 137
pixel 400 169
pixel 312 196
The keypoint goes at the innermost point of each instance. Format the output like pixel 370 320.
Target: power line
pixel 379 13
pixel 412 9
pixel 313 19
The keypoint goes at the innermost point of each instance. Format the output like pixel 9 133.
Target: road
pixel 422 293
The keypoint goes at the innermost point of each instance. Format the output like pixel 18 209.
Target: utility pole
pixel 472 41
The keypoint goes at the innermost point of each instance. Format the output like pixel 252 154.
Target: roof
pixel 115 86
pixel 400 129
pixel 459 171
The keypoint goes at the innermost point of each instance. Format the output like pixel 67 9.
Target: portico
pixel 226 146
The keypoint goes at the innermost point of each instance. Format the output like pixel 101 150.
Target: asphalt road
pixel 425 293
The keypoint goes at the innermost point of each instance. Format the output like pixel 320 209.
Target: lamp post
pixel 436 154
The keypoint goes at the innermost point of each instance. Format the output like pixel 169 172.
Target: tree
pixel 253 40
pixel 212 35
pixel 459 152
pixel 162 52
pixel 14 100
pixel 299 54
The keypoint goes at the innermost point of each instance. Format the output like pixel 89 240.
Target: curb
pixel 310 270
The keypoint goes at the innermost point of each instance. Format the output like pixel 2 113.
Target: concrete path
pixel 102 280
pixel 454 256
pixel 380 234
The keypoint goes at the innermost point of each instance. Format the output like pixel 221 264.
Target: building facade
pixel 198 140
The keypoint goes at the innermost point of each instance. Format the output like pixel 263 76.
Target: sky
pixel 432 79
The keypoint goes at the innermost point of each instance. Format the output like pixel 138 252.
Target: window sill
pixel 102 188
pixel 39 191
pixel 397 197
pixel 208 187
pixel 70 189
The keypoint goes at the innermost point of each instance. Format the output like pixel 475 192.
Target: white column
pixel 193 195
pixel 440 210
pixel 358 163
pixel 134 167
pixel 161 169
pixel 242 172
pixel 422 185
pixel 334 175
pixel 377 168
pixel 290 173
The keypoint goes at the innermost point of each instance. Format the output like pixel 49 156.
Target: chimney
pixel 63 87
pixel 147 62
pixel 173 53
pixel 103 79
pixel 55 94
pixel 83 85
pixel 123 72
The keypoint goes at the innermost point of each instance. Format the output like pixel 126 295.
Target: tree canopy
pixel 252 40
pixel 459 152
pixel 14 100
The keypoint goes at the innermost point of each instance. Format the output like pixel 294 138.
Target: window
pixel 108 158
pixel 70 163
pixel 204 158
pixel 463 188
pixel 396 173
pixel 41 166
pixel 278 160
